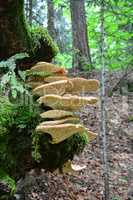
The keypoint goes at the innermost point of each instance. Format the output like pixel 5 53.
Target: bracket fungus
pixel 56 114
pixel 61 121
pixel 57 87
pixel 72 103
pixel 48 67
pixel 61 95
pixel 48 79
pixel 60 132
pixel 83 85
pixel 68 167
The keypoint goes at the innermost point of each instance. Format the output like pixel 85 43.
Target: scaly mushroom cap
pixel 66 102
pixel 83 85
pixel 56 114
pixel 61 132
pixel 58 87
pixel 48 68
pixel 61 121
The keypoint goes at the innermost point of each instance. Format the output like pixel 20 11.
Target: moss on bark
pixel 20 145
pixel 17 36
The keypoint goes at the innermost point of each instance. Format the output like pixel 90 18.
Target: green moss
pixel 44 47
pixel 21 142
pixel 55 155
pixel 17 36
pixel 14 32
pixel 22 149
pixel 6 110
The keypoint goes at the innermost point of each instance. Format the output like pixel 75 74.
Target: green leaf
pixel 5 178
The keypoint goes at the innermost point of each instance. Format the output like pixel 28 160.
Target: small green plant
pixel 11 83
pixel 64 60
pixel 6 179
pixel 40 35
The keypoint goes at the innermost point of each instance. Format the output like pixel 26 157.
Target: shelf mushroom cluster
pixel 62 95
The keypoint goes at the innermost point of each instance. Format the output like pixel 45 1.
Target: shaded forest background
pixel 75 26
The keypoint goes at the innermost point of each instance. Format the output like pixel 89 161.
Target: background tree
pixel 50 19
pixel 81 51
pixel 30 11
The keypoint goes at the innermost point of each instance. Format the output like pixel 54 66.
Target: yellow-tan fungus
pixel 72 103
pixel 56 114
pixel 61 132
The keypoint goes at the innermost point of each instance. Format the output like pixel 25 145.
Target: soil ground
pixel 89 184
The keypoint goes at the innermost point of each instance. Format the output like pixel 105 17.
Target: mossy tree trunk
pixel 14 35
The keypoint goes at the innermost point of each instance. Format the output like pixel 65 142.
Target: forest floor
pixel 89 184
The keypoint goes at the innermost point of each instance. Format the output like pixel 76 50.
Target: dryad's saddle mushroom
pixel 57 91
pixel 56 114
pixel 72 103
pixel 48 67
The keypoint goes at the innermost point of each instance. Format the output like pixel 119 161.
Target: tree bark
pixel 51 17
pixel 30 11
pixel 81 54
pixel 16 35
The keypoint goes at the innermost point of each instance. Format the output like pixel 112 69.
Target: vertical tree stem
pixel 103 108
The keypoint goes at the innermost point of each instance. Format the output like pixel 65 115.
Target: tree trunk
pixel 51 17
pixel 81 54
pixel 14 35
pixel 30 11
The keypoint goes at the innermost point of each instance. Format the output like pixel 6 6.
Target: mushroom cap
pixel 68 167
pixel 56 114
pixel 61 132
pixel 66 102
pixel 83 85
pixel 61 121
pixel 48 79
pixel 57 87
pixel 72 86
pixel 48 67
